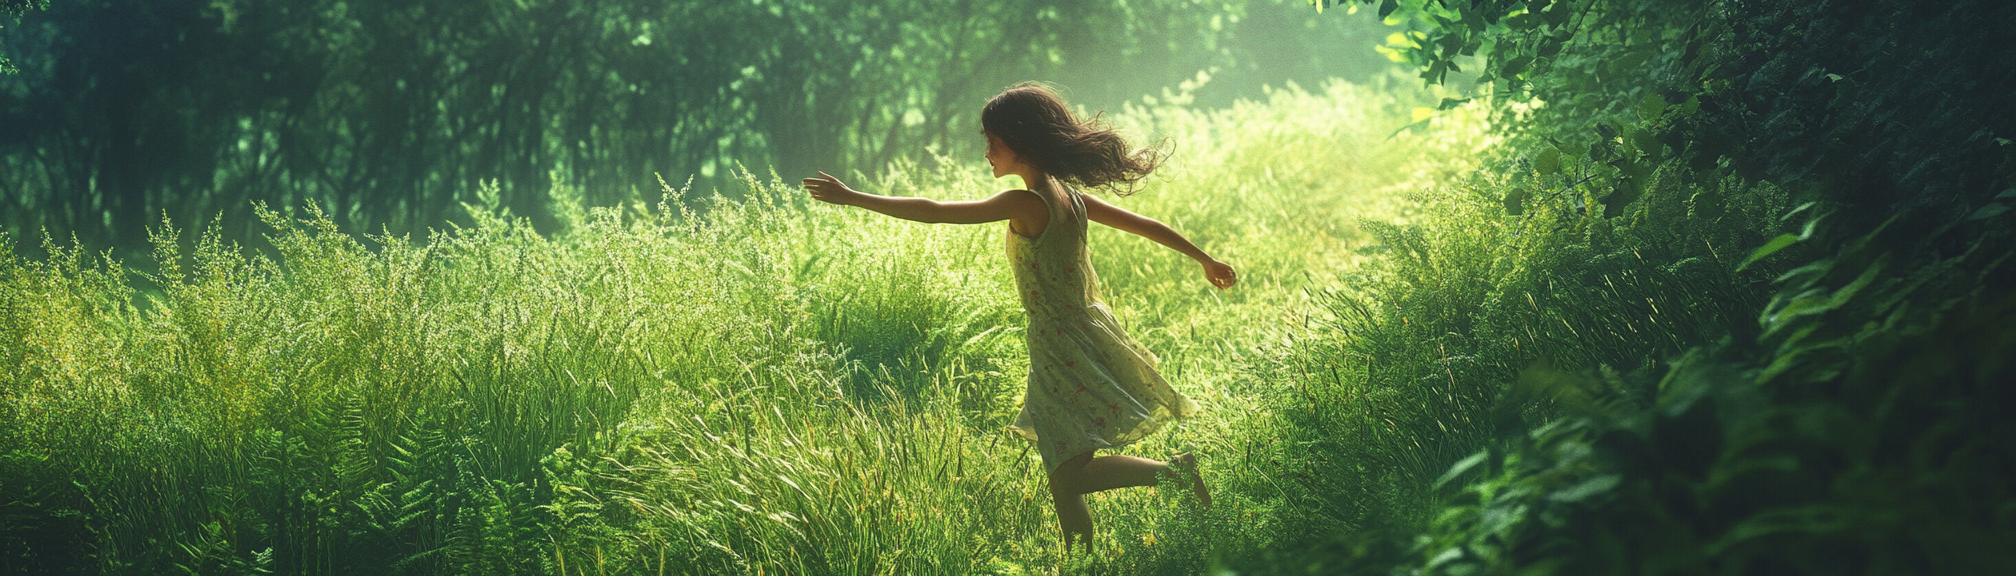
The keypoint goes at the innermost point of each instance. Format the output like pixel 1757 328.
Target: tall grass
pixel 746 385
pixel 1490 274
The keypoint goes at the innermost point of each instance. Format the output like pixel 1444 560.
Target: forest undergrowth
pixel 718 385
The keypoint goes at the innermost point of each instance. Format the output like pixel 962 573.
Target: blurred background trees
pixel 390 114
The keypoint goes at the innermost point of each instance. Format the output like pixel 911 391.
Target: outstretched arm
pixel 1219 273
pixel 1020 207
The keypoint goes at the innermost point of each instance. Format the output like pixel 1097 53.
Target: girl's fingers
pixel 830 178
pixel 1222 276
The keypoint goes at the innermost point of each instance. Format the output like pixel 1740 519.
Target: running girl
pixel 1090 385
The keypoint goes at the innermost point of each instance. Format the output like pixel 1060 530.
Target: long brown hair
pixel 1034 122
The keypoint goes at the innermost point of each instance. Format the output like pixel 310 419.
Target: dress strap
pixel 1048 203
pixel 1078 204
pixel 1073 209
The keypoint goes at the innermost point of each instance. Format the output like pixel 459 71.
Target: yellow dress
pixel 1090 386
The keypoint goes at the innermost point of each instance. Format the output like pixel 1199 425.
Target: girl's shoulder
pixel 1027 197
pixel 1051 199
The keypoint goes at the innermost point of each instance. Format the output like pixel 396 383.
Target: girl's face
pixel 1000 157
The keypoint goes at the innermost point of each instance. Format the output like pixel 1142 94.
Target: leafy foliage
pixel 1722 474
pixel 1795 442
pixel 1408 372
pixel 389 114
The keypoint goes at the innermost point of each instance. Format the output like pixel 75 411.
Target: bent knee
pixel 1064 480
pixel 1060 486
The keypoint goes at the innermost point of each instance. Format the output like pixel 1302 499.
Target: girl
pixel 1090 386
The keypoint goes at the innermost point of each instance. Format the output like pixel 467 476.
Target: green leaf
pixel 1816 270
pixel 1547 161
pixel 1515 202
pixel 1628 164
pixel 1451 43
pixel 1796 210
pixel 1815 519
pixel 1989 211
pixel 1436 71
pixel 1813 304
pixel 1558 15
pixel 1386 8
pixel 1622 194
pixel 1445 557
pixel 1649 144
pixel 1448 103
pixel 1768 249
pixel 1587 488
pixel 1549 47
pixel 2010 193
pixel 1651 107
pixel 1514 66
pixel 1855 286
pixel 1844 94
pixel 1629 61
pixel 1464 465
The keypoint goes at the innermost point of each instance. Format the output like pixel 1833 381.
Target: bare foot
pixel 1188 464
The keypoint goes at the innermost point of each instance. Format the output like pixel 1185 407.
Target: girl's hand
pixel 1220 274
pixel 828 189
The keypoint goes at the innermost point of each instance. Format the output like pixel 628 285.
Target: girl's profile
pixel 1091 386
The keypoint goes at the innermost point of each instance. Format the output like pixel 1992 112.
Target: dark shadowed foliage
pixel 1781 232
pixel 389 114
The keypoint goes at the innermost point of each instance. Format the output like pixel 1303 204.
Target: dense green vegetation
pixel 1629 286
pixel 753 385
pixel 1756 259
pixel 392 113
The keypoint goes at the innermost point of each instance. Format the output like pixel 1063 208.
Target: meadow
pixel 717 383
pixel 1721 288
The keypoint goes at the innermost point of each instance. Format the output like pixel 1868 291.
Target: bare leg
pixel 1072 514
pixel 1106 473
pixel 1084 474
pixel 1074 517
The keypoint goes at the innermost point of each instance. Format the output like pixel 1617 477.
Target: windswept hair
pixel 1032 121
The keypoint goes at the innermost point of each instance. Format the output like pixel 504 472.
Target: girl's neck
pixel 1035 179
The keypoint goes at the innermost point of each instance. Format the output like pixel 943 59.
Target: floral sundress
pixel 1090 386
